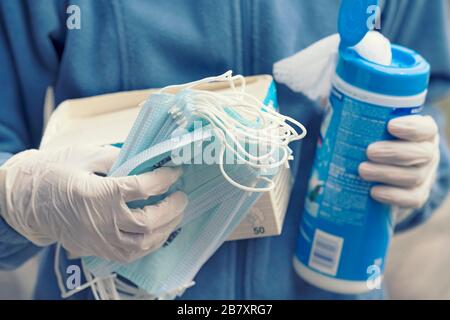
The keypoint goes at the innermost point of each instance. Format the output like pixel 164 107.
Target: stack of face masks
pixel 230 145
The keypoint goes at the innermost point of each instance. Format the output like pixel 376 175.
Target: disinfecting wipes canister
pixel 344 234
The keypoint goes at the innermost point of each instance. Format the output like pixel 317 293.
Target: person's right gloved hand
pixel 55 196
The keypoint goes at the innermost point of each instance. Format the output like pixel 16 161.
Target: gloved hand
pixel 406 167
pixel 54 196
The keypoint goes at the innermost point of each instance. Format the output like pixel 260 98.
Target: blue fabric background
pixel 135 44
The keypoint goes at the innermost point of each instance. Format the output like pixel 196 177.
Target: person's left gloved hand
pixel 406 168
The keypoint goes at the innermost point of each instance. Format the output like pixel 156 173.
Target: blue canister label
pixel 344 233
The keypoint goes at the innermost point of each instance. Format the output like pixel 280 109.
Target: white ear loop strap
pixel 91 283
pixel 265 135
pixel 264 129
pixel 220 136
pixel 254 160
pixel 205 111
pixel 227 76
pixel 277 115
pixel 272 131
pixel 259 108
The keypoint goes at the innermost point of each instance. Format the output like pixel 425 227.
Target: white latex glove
pixel 406 167
pixel 54 196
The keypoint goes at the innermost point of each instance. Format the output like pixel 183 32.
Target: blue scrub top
pixel 136 44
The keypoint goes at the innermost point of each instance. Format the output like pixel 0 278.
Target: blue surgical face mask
pixel 219 194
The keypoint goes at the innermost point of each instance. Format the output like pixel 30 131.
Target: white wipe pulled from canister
pixel 375 48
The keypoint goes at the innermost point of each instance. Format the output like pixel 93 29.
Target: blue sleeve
pixel 15 249
pixel 28 65
pixel 423 25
